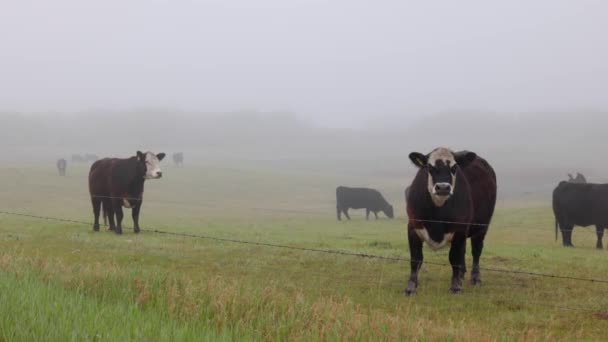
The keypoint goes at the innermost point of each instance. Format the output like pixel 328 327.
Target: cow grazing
pixel 178 158
pixel 114 183
pixel 452 198
pixel 578 179
pixel 62 165
pixel 580 204
pixel 359 198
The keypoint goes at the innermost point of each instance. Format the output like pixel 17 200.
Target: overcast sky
pixel 336 61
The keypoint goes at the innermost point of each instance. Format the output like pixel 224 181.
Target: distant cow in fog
pixel 114 183
pixel 77 158
pixel 578 179
pixel 359 198
pixel 62 165
pixel 178 158
pixel 580 204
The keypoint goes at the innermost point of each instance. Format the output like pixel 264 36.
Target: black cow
pixel 578 179
pixel 178 158
pixel 359 198
pixel 62 165
pixel 114 183
pixel 580 204
pixel 452 198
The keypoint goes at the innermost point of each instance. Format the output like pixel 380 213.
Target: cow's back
pixel 482 183
pixel 581 204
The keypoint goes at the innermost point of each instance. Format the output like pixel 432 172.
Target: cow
pixel 580 204
pixel 578 179
pixel 77 158
pixel 451 198
pixel 62 164
pixel 178 158
pixel 359 198
pixel 114 183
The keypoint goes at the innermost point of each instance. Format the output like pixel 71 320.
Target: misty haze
pixel 272 105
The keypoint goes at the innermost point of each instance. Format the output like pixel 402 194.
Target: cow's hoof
pixel 118 231
pixel 455 290
pixel 136 230
pixel 96 227
pixel 476 280
pixel 456 286
pixel 599 247
pixel 411 288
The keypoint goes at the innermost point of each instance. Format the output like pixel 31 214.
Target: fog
pixel 351 86
pixel 338 63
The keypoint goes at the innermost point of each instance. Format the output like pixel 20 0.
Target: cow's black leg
pixel 117 207
pixel 477 248
pixel 567 235
pixel 339 213
pixel 107 207
pixel 416 258
pixel 345 211
pixel 600 234
pixel 366 214
pixel 376 214
pixel 135 215
pixel 463 269
pixel 96 210
pixel 456 258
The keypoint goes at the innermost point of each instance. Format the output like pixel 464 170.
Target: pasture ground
pixel 62 281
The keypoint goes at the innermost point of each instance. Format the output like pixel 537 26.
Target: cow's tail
pixel 556 226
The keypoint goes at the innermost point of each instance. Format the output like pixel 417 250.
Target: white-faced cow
pixel 114 183
pixel 361 198
pixel 62 165
pixel 580 204
pixel 452 198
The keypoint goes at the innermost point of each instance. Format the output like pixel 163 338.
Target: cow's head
pixel 389 212
pixel 149 164
pixel 442 166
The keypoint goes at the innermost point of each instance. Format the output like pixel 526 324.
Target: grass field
pixel 61 281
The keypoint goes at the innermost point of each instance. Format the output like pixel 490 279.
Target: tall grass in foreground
pixel 43 299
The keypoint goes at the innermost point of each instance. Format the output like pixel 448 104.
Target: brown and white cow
pixel 114 183
pixel 452 198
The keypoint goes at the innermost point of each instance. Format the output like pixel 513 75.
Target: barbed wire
pixel 326 251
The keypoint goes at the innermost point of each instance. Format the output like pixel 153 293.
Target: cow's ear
pixel 464 158
pixel 418 159
pixel 140 156
pixel 570 177
pixel 160 156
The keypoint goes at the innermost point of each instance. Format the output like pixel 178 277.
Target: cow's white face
pixel 153 170
pixel 442 165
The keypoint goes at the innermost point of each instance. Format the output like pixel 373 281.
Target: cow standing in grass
pixel 114 183
pixel 359 198
pixel 580 204
pixel 62 165
pixel 452 198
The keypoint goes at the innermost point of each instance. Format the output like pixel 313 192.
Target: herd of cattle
pixel 451 199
